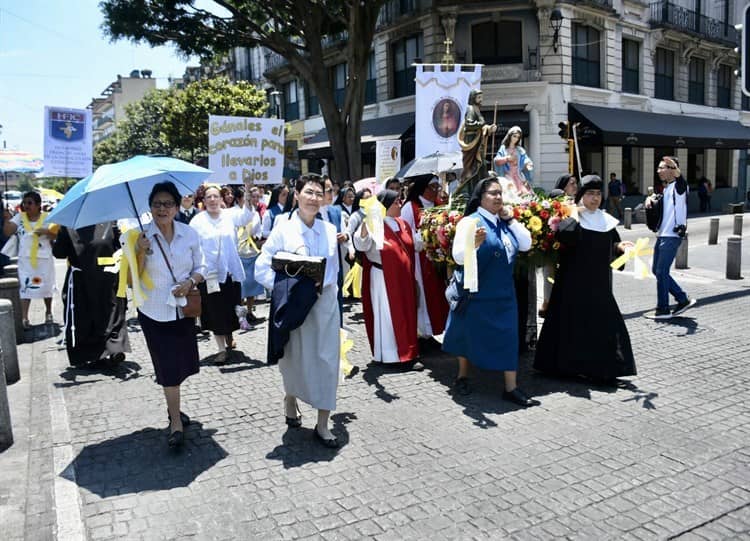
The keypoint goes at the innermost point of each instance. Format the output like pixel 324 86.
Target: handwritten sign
pixel 243 149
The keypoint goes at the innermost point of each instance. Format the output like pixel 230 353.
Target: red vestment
pixel 434 285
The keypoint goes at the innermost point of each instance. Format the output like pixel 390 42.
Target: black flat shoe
pixel 294 422
pixel 518 397
pixel 332 443
pixel 461 386
pixel 176 439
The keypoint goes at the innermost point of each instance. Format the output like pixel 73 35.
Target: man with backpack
pixel 669 233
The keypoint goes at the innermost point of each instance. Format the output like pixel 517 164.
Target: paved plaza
pixel 665 456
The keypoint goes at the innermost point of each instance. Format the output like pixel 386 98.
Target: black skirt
pixel 217 309
pixel 173 348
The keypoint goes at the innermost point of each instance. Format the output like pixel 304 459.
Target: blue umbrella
pixel 121 190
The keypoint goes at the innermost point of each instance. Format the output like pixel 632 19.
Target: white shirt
pixel 294 236
pixel 219 240
pixel 407 213
pixel 26 239
pixel 674 210
pixel 185 256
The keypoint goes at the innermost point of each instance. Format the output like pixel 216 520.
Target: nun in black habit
pixel 584 333
pixel 95 325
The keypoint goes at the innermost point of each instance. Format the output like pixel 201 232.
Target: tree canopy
pixel 175 122
pixel 294 29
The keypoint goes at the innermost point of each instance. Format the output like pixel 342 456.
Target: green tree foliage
pixel 295 29
pixel 185 124
pixel 175 122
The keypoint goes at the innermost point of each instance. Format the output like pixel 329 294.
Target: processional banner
pixel 68 146
pixel 441 95
pixel 387 159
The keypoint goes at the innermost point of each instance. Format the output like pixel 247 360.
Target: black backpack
pixel 654 212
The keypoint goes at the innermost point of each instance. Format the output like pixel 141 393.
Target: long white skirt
pixel 39 282
pixel 384 344
pixel 424 326
pixel 310 365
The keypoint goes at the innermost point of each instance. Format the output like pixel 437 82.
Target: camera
pixel 681 230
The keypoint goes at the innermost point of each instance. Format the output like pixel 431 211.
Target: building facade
pixel 663 70
pixel 109 109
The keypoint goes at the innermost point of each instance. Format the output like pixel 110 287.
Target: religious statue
pixel 472 138
pixel 512 162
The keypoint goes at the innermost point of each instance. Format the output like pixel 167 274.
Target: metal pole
pixel 6 429
pixel 713 231
pixel 8 340
pixel 734 257
pixel 681 260
pixel 737 225
pixel 628 219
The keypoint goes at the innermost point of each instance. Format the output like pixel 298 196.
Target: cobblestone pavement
pixel 665 456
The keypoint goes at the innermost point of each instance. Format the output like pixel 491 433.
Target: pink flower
pixel 553 223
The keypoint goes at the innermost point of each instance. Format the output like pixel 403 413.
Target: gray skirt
pixel 310 365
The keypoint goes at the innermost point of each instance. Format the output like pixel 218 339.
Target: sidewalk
pixel 664 457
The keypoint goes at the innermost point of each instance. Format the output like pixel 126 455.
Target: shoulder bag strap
pixel 166 260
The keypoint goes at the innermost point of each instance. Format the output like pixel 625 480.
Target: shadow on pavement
pixel 74 375
pixel 40 332
pixel 142 461
pixel 372 375
pixel 299 445
pixel 239 362
pixel 701 301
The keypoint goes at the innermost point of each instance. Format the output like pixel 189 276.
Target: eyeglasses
pixel 661 167
pixel 163 204
pixel 310 193
pixel 494 193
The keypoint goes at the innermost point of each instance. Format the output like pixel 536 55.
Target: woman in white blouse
pixel 221 291
pixel 310 364
pixel 170 252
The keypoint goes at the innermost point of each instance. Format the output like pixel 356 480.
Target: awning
pixel 604 126
pixel 373 130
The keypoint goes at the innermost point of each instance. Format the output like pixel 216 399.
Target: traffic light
pixel 745 58
pixel 564 132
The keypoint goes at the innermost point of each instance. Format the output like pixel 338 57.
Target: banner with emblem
pixel 441 98
pixel 387 159
pixel 68 147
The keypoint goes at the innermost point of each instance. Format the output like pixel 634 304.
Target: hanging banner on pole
pixel 244 149
pixel 387 159
pixel 441 99
pixel 68 147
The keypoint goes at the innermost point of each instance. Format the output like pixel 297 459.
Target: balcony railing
pixel 670 15
pixel 394 9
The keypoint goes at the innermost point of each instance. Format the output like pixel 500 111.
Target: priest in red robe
pixel 388 294
pixel 432 311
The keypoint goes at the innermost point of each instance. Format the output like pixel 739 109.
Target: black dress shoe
pixel 294 422
pixel 461 386
pixel 517 396
pixel 332 443
pixel 176 439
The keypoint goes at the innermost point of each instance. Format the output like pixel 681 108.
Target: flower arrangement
pixel 540 215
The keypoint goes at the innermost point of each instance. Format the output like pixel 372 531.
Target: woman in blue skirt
pixel 485 330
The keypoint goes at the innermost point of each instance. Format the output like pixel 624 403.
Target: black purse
pixel 294 265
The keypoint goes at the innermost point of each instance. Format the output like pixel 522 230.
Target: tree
pixel 186 118
pixel 295 29
pixel 175 122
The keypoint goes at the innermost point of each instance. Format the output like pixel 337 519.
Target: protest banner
pixel 243 149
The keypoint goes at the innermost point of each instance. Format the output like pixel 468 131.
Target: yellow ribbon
pixel 33 256
pixel 247 240
pixel 374 214
pixel 129 264
pixel 353 280
pixel 105 261
pixel 345 344
pixel 640 268
pixel 471 277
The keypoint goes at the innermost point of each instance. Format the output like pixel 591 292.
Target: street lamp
pixel 555 21
pixel 276 100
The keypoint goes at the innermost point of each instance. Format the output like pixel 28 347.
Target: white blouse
pixel 294 236
pixel 219 240
pixel 185 256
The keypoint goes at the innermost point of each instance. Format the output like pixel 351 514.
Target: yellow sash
pixel 345 344
pixel 247 240
pixel 35 236
pixel 129 263
pixel 353 280
pixel 640 270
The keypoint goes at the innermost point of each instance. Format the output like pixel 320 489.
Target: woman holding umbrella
pixel 170 252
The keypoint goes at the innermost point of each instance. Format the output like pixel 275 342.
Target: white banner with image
pixel 387 159
pixel 441 98
pixel 245 149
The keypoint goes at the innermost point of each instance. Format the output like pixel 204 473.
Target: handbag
pixel 10 248
pixel 294 265
pixel 194 302
pixel 458 298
